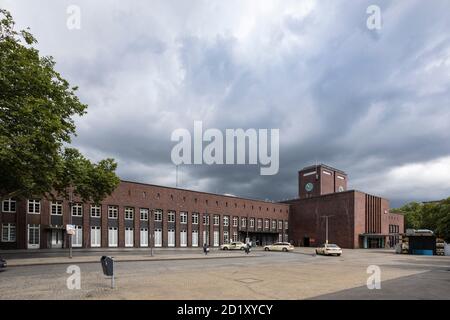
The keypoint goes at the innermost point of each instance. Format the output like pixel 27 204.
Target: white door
pixel 158 238
pixel 144 237
pixel 129 237
pixel 112 237
pixel 171 238
pixel 183 238
pixel 195 238
pixel 34 236
pixel 77 238
pixel 216 238
pixel 57 238
pixel 95 237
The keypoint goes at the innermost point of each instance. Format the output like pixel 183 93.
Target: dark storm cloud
pixel 373 103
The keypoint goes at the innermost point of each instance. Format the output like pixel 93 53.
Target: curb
pixel 126 260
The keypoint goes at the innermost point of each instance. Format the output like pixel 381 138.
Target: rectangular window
pixel 77 210
pixel 9 205
pixel 158 238
pixel 9 232
pixel 195 238
pixel 183 217
pixel 183 238
pixel 77 238
pixel 171 238
pixel 267 224
pixel 144 237
pixel 280 224
pixel 158 215
pixel 171 216
pixel 129 213
pixel 309 173
pixel 226 238
pixel 34 206
pixel 113 212
pixel 144 215
pixel 235 236
pixel 274 224
pixel 216 219
pixel 259 223
pixel 34 236
pixel 235 222
pixel 206 220
pixel 252 222
pixel 216 238
pixel 112 237
pixel 96 211
pixel 56 208
pixel 280 237
pixel 195 218
pixel 226 221
pixel 129 237
pixel 96 237
pixel 243 222
pixel 286 225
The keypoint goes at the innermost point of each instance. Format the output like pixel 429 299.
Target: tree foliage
pixel 37 107
pixel 432 215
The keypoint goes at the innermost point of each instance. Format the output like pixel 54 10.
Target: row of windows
pixel 113 213
pixel 9 205
pixel 95 238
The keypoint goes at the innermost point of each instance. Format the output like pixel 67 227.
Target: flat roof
pixel 323 166
pixel 207 193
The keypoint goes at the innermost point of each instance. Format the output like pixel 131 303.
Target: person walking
pixel 205 249
pixel 247 248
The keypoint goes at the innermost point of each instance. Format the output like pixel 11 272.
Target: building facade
pixel 142 215
pixel 355 219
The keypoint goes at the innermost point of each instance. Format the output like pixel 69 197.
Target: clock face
pixel 341 188
pixel 309 187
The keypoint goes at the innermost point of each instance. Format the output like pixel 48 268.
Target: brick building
pixel 142 215
pixel 355 219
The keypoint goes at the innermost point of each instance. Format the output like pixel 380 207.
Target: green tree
pixel 434 216
pixel 37 107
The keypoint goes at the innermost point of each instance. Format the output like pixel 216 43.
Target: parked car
pixel 2 264
pixel 279 246
pixel 329 249
pixel 236 245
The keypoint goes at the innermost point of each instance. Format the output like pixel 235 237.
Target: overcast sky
pixel 374 103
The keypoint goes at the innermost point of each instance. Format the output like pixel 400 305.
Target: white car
pixel 236 245
pixel 329 249
pixel 279 246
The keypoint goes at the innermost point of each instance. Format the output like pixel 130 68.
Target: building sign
pixel 70 229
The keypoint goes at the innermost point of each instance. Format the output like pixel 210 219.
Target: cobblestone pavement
pixel 265 275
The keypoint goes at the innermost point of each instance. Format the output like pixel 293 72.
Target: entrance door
pixel 57 239
pixel 306 242
pixel 158 238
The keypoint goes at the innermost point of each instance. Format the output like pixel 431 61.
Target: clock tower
pixel 317 180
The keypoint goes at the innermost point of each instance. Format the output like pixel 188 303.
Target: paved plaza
pixel 187 274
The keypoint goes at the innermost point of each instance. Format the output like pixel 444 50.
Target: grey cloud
pixel 362 101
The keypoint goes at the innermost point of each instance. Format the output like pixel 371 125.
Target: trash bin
pixel 107 265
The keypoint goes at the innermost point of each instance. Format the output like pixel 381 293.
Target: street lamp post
pixel 70 222
pixel 326 228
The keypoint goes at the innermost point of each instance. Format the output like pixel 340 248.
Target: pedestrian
pixel 205 249
pixel 247 248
